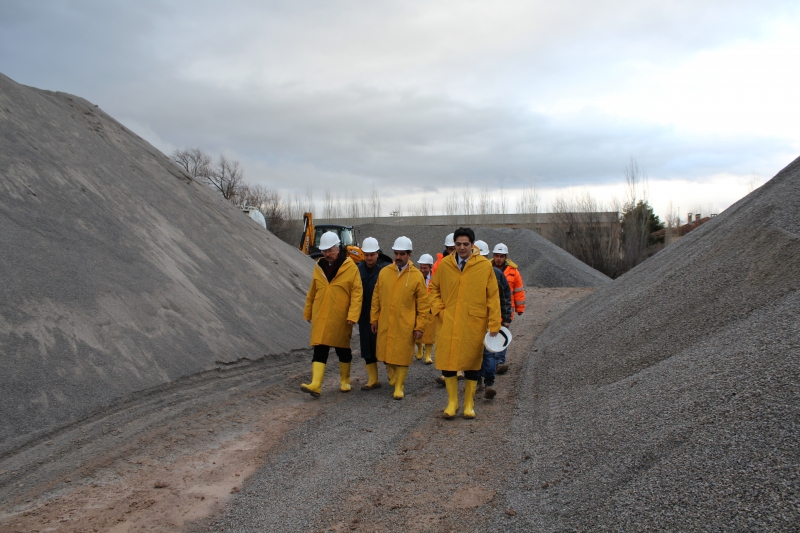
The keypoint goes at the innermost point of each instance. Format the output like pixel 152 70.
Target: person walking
pixel 449 249
pixel 511 271
pixel 488 367
pixel 333 305
pixel 424 346
pixel 464 291
pixel 369 268
pixel 400 311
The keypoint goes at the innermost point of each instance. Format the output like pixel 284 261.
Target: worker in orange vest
pixel 449 248
pixel 511 271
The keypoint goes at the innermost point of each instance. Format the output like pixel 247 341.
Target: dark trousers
pixel 369 343
pixel 471 375
pixel 345 355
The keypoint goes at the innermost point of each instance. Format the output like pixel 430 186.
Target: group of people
pixel 403 310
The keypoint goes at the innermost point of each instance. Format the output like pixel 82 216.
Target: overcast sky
pixel 417 97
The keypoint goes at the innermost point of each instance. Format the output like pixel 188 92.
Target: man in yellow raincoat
pixel 463 290
pixel 333 304
pixel 400 309
pixel 424 345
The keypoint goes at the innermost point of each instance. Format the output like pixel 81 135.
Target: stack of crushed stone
pixel 542 263
pixel 669 399
pixel 118 272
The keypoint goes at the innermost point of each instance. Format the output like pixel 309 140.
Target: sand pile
pixel 542 263
pixel 669 399
pixel 119 273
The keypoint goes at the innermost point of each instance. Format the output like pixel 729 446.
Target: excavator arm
pixel 308 234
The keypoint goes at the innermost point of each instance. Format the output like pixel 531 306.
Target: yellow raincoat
pixel 330 305
pixel 399 305
pixel 429 335
pixel 468 303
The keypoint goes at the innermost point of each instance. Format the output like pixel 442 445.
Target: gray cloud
pixel 409 96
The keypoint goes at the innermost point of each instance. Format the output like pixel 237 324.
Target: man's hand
pixel 374 327
pixel 350 322
pixel 505 324
pixel 519 314
pixel 417 334
pixel 308 321
pixel 493 333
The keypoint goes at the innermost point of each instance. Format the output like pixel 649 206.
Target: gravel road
pixel 242 449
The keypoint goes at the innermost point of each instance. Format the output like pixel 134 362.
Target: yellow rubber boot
pixel 419 349
pixel 317 374
pixel 390 373
pixel 428 354
pixel 452 396
pixel 469 398
pixel 400 373
pixel 374 381
pixel 344 377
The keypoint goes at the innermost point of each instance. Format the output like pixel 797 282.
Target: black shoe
pixel 440 380
pixel 490 392
pixel 502 369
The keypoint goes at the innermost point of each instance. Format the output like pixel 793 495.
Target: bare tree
pixel 528 201
pixel 226 177
pixel 374 202
pixel 584 228
pixel 502 204
pixel 195 162
pixel 636 215
pixel 467 202
pixel 451 203
pixel 422 208
pixel 484 201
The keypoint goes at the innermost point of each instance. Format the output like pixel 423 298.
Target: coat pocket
pixel 477 310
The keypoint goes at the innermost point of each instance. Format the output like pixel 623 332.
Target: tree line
pixel 579 223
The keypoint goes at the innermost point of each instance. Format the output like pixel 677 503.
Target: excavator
pixel 309 243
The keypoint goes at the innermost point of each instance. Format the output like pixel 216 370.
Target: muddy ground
pixel 179 457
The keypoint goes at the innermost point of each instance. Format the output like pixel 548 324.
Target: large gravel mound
pixel 542 263
pixel 670 398
pixel 118 272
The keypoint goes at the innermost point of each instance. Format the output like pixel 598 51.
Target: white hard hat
pixel 501 249
pixel 425 259
pixel 449 241
pixel 329 240
pixel 499 342
pixel 483 247
pixel 402 243
pixel 370 245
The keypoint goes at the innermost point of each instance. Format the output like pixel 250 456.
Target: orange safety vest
pixel 514 278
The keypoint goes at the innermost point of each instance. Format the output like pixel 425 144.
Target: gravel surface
pixel 542 263
pixel 669 399
pixel 371 463
pixel 118 272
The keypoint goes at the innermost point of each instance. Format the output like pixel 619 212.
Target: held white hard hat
pixel 499 342
pixel 449 241
pixel 483 247
pixel 329 240
pixel 402 243
pixel 501 249
pixel 370 245
pixel 425 259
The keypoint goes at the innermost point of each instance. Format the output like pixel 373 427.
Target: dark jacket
pixel 505 295
pixel 369 277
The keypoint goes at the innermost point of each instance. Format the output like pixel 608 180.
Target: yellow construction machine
pixel 309 243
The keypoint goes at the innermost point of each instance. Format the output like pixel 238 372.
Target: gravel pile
pixel 118 272
pixel 542 263
pixel 669 399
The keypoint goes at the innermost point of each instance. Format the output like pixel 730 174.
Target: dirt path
pixel 171 458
